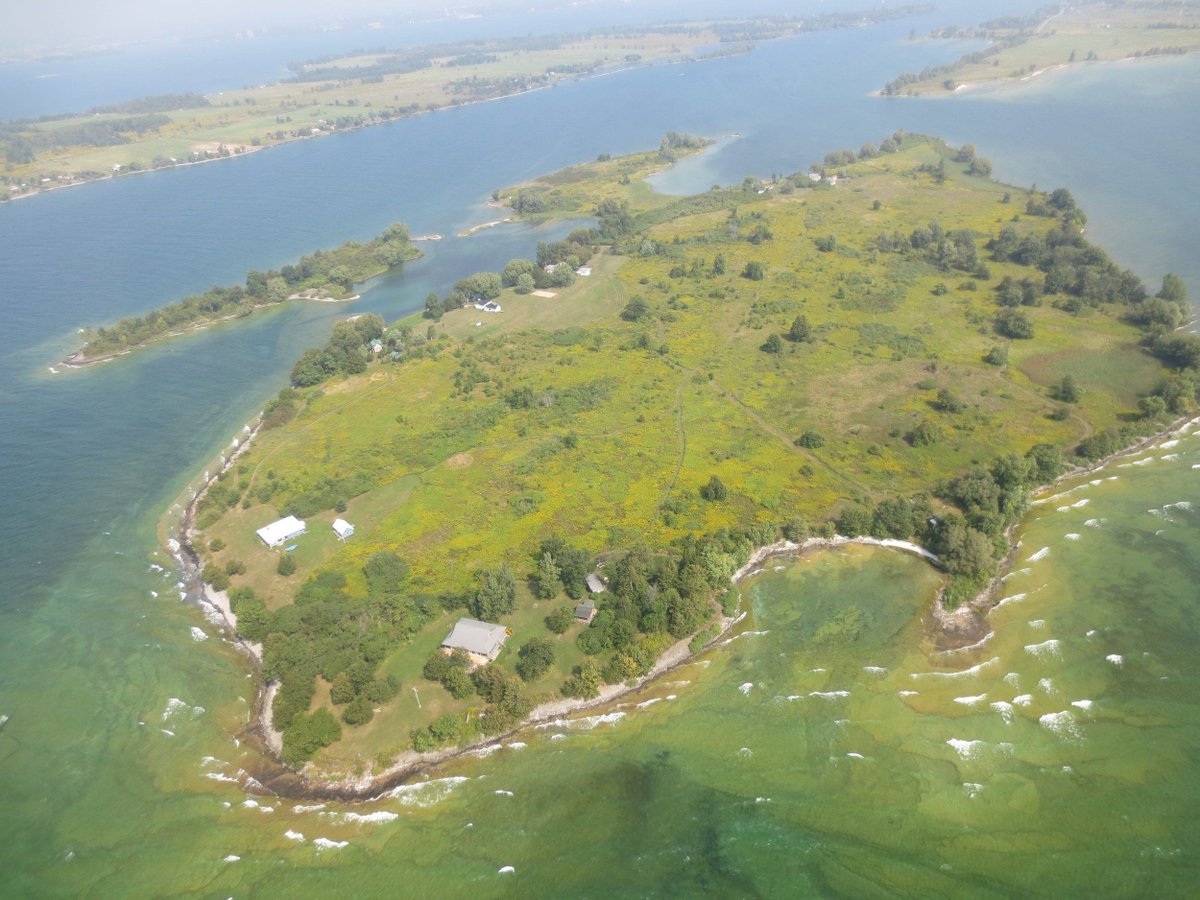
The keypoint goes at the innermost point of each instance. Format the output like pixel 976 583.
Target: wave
pixel 971 701
pixel 503 793
pixel 1061 724
pixel 294 836
pixel 425 793
pixel 362 818
pixel 855 756
pixel 1082 704
pixel 649 702
pixel 875 670
pixel 506 870
pixel 972 789
pixel 1039 624
pixel 1050 648
pixel 908 693
pixel 219 776
pixel 1094 523
pixel 829 695
pixel 516 745
pixel 1023 700
pixel 231 858
pixel 974 670
pixel 306 809
pixel 966 749
pixel 746 688
pixel 1040 555
pixel 198 634
pixel 587 723
pixel 1072 536
pixel 1116 659
pixel 327 844
pixel 1047 686
pixel 1011 598
pixel 1005 710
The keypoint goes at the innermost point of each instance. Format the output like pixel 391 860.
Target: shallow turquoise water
pixel 115 762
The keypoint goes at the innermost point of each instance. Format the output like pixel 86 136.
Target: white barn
pixel 282 530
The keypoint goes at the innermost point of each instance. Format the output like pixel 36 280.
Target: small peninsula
pixel 325 276
pixel 1020 48
pixel 580 451
pixel 335 94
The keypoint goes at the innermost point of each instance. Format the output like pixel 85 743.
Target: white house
pixel 282 530
pixel 814 176
pixel 594 583
pixel 342 529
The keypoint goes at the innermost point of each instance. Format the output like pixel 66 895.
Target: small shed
pixel 483 641
pixel 282 530
pixel 594 584
pixel 586 611
pixel 342 529
pixel 584 271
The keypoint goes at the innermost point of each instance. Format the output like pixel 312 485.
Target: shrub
pixel 287 565
pixel 560 619
pixel 714 490
pixel 810 440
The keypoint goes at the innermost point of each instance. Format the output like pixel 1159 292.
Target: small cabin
pixel 594 584
pixel 342 529
pixel 586 611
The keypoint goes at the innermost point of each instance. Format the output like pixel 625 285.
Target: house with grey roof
pixel 483 641
pixel 594 584
pixel 586 611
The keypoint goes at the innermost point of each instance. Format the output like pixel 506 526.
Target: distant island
pixel 539 489
pixel 1020 48
pixel 327 276
pixel 370 87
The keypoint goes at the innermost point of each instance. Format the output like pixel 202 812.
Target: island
pixel 327 276
pixel 1020 48
pixel 546 486
pixel 370 87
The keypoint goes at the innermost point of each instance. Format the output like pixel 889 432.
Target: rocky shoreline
pixel 952 631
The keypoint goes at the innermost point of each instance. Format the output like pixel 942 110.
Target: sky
pixel 63 24
pixel 35 27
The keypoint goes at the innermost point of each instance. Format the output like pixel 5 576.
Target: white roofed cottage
pixel 282 530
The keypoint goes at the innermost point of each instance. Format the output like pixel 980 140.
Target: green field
pixel 631 419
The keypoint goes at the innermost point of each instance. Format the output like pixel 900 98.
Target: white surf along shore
pixel 411 763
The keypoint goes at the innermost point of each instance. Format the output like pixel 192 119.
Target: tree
pixel 636 309
pixel 810 440
pixel 305 735
pixel 524 283
pixel 515 269
pixel 548 583
pixel 535 658
pixel 799 331
pixel 714 490
pixel 854 521
pixel 386 572
pixel 1173 289
pixel 358 712
pixel 496 595
pixel 1014 324
pixel 754 271
pixel 584 682
pixel 560 619
pixel 924 433
pixel 997 356
pixel 342 689
pixel 287 565
pixel 313 367
pixel 1066 391
pixel 948 402
pixel 458 683
pixel 773 344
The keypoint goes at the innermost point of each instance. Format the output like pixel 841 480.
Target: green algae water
pixel 821 751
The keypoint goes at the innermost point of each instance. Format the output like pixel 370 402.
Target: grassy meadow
pixel 633 417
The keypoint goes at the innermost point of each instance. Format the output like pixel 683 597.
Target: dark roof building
pixel 586 611
pixel 594 584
